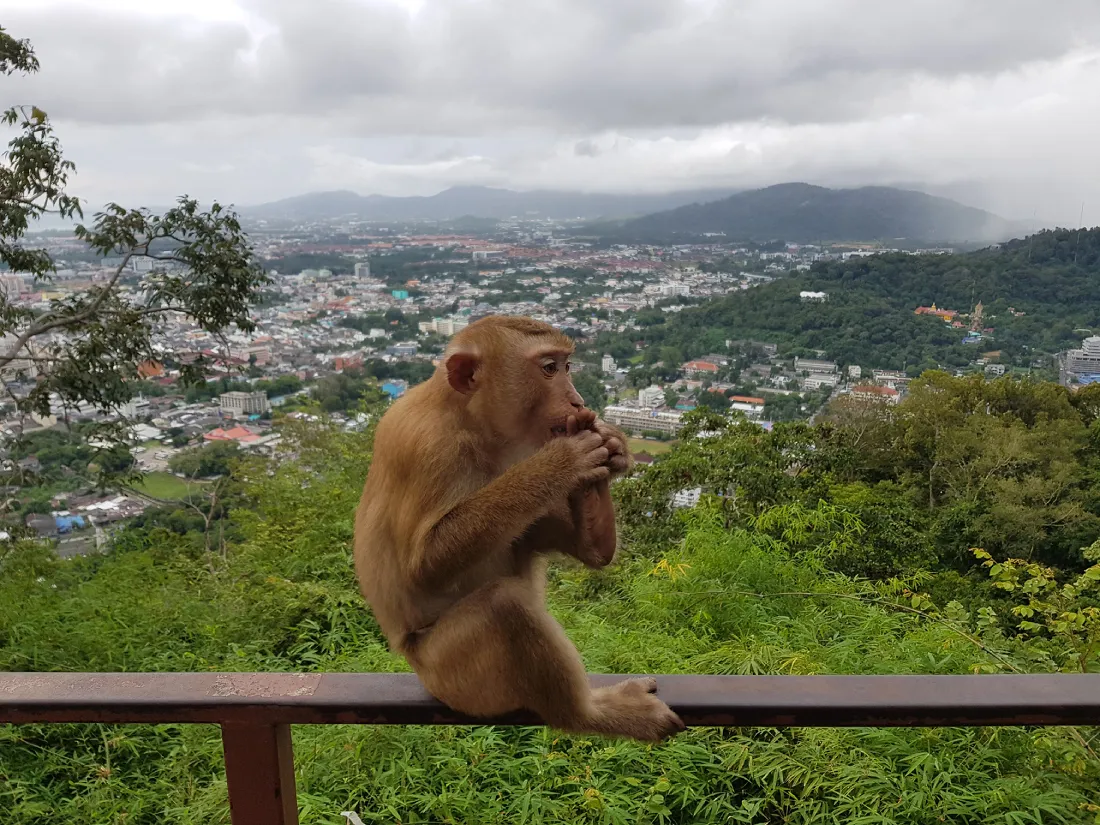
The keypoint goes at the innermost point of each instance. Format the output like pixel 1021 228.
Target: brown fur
pixel 477 474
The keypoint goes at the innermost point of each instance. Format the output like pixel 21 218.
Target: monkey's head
pixel 513 374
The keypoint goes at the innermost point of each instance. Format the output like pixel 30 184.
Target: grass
pixel 166 486
pixel 644 445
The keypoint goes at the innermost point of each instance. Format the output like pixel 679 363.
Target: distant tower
pixel 362 269
pixel 976 318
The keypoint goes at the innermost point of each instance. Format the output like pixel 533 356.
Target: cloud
pixel 261 97
pixel 567 64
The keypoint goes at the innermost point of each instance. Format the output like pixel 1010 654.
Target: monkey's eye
pixel 550 368
pixel 568 366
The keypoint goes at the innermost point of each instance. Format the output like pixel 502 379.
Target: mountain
pixel 473 201
pixel 800 212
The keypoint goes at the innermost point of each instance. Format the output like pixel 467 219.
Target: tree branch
pixel 41 327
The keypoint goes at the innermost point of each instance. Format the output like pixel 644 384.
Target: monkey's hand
pixel 584 452
pixel 619 459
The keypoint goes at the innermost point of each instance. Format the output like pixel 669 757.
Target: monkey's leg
pixel 498 650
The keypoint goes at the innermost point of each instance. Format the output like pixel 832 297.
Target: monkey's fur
pixel 477 474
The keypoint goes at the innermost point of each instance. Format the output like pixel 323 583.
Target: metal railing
pixel 255 710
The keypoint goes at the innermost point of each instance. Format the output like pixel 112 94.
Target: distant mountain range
pixel 804 213
pixel 474 201
pixel 795 212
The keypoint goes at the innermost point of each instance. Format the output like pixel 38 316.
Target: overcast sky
pixel 995 101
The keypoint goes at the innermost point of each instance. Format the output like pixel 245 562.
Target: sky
pixel 994 102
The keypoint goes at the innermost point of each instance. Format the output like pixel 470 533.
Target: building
pixel 817 380
pixel 639 420
pixel 138 407
pixel 700 368
pixel 869 392
pixel 362 269
pixel 347 361
pixel 994 369
pixel 855 371
pixel 238 434
pixel 405 350
pixel 812 365
pixel 258 354
pixel 608 364
pixel 651 397
pixel 751 406
pixel 242 404
pixel 817 297
pixel 400 294
pixel 890 378
pixel 1085 361
pixel 444 326
pixel 687 498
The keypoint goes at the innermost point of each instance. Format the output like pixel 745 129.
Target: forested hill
pixel 803 213
pixel 1052 277
pixel 474 201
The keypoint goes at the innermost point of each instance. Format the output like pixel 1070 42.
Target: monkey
pixel 477 475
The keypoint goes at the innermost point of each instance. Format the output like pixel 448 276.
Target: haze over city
pixel 252 100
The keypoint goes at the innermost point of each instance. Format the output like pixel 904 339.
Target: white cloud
pixel 255 99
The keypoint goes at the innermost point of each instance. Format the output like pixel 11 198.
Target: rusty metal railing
pixel 255 710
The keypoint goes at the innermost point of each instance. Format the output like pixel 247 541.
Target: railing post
pixel 259 770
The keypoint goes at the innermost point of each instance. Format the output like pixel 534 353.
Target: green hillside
pixel 849 565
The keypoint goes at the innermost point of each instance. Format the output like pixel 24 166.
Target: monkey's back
pixel 410 484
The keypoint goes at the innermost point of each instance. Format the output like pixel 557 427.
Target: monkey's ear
pixel 460 371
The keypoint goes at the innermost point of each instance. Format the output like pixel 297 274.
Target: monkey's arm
pixel 582 527
pixel 489 520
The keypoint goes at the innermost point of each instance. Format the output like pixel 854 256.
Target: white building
pixel 815 381
pixel 240 404
pixel 855 371
pixel 1085 361
pixel 818 297
pixel 751 406
pixel 362 269
pixel 638 420
pixel 136 408
pixel 444 326
pixel 608 364
pixel 687 498
pixel 651 397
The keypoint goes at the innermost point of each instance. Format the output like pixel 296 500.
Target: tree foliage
pixel 869 317
pixel 86 346
pixel 754 597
